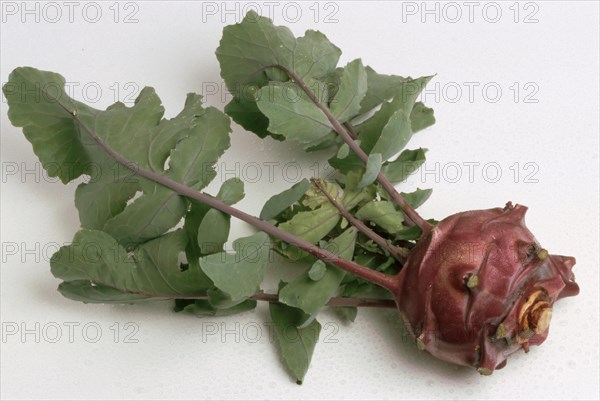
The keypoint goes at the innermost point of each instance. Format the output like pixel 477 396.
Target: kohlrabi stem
pixel 360 225
pixel 335 302
pixel 411 213
pixel 371 275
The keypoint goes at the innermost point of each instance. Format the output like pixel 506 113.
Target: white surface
pixel 172 49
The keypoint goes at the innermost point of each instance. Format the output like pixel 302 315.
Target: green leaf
pixel 314 225
pixel 343 151
pixel 352 90
pixel 295 345
pixel 232 191
pixel 409 234
pixel 395 135
pixel 404 99
pixel 317 270
pixel 249 50
pixel 348 313
pixel 292 113
pixel 390 128
pixel 418 197
pixel 152 269
pixel 407 163
pixel 239 274
pixel 372 170
pixel 213 231
pixel 309 295
pixel 220 300
pixel 382 213
pixel 282 201
pixel 421 117
pixel 245 112
pixel 191 164
pixel 46 123
pixel 202 307
pixel 58 127
pixel 87 292
pixel 380 88
pixel 314 197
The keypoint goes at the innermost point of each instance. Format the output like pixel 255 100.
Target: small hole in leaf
pixel 134 197
pixel 167 164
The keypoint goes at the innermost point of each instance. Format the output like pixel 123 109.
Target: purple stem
pixel 366 273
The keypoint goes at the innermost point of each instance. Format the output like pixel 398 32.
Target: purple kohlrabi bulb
pixel 479 287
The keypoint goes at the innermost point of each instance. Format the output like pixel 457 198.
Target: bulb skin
pixel 479 287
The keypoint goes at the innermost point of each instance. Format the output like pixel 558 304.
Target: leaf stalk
pixel 381 279
pixel 409 211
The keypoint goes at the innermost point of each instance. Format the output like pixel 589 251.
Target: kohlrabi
pixel 472 289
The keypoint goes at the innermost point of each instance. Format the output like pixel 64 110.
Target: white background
pixel 171 47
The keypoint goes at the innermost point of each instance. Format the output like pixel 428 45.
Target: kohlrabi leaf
pixel 317 270
pixel 213 231
pixel 202 307
pixel 245 112
pixel 292 114
pixel 352 90
pixel 394 136
pixel 309 294
pixel 88 292
pixel 313 225
pixel 152 269
pixel 390 128
pixel 380 88
pixel 232 191
pixel 407 163
pixel 250 51
pixel 347 313
pixel 371 171
pixel 239 274
pixel 382 213
pixel 282 201
pixel 418 197
pixel 250 54
pixel 48 124
pixel 373 133
pixel 191 164
pixel 183 148
pixel 421 117
pixel 296 345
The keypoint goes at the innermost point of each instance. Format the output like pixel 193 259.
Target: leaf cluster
pixel 139 240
